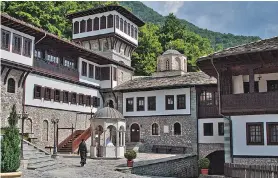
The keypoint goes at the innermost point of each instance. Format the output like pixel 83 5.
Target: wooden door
pixel 134 133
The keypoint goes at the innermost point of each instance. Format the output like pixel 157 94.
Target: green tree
pixel 145 56
pixel 10 150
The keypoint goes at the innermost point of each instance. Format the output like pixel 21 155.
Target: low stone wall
pixel 211 176
pixel 177 166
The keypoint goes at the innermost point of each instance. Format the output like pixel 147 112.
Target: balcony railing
pixel 208 111
pixel 250 103
pixel 56 69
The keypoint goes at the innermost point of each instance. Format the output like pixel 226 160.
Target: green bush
pixel 204 163
pixel 130 155
pixel 10 150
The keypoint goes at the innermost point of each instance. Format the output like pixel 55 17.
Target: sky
pixel 239 18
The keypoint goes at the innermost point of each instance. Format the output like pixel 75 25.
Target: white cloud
pixel 172 6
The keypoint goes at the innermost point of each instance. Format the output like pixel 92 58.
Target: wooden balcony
pixel 208 111
pixel 250 103
pixel 52 68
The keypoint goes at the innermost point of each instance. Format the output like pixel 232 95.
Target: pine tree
pixel 10 150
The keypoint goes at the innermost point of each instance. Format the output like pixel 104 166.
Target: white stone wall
pixel 216 138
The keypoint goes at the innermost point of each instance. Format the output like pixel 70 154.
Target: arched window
pixel 121 24
pixel 89 25
pixel 45 130
pixel 76 27
pixel 110 23
pixel 155 129
pixel 28 126
pixel 177 129
pixel 103 22
pixel 128 29
pixel 11 86
pixel 125 27
pixel 167 65
pixel 132 31
pixel 82 26
pixel 96 23
pixel 117 21
pixel 135 32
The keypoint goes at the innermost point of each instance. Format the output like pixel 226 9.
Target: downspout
pixel 41 39
pixel 219 110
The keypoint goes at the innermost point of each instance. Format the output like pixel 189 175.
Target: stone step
pixel 39 160
pixel 41 164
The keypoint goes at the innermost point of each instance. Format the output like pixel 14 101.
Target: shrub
pixel 204 163
pixel 10 150
pixel 130 155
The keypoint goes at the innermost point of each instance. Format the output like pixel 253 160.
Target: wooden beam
pixel 251 80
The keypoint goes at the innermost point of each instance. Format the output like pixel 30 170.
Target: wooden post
pixel 251 80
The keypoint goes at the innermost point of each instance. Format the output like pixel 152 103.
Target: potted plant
pixel 204 165
pixel 130 156
pixel 10 150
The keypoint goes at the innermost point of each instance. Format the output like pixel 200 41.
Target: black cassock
pixel 83 152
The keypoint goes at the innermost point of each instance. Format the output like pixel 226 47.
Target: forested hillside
pixel 159 34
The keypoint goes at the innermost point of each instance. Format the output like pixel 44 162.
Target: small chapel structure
pixel 108 134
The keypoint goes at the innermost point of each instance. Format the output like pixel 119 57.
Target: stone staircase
pixel 38 159
pixel 67 147
pixel 132 146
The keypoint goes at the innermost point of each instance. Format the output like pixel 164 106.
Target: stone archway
pixel 134 133
pixel 217 160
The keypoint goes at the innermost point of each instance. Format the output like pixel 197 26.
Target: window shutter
pixel 94 101
pixel 61 95
pixel 77 98
pixel 52 93
pixel 42 92
pixel 98 102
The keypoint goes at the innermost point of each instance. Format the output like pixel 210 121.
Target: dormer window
pixel 103 22
pixel 76 27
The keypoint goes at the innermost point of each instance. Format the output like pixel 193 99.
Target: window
pixel 272 85
pixel 132 31
pixel 52 57
pixel 89 25
pixel 129 104
pixel 114 73
pixel 11 86
pixel 254 133
pixel 96 24
pixel 91 71
pixel 180 101
pixel 208 129
pixel 57 95
pixel 84 68
pixel 110 21
pixel 167 64
pixel 154 129
pixel 117 21
pixel 105 73
pixel 27 45
pixel 88 100
pixel 103 22
pixel 140 103
pixel 246 87
pixel 177 129
pixel 69 63
pixel 82 26
pixel 47 93
pixel 5 40
pixel 81 99
pixel 125 27
pixel 135 32
pixel 128 29
pixel 97 73
pixel 206 98
pixel 121 24
pixel 38 54
pixel 169 102
pixel 66 97
pixel 73 98
pixel 151 103
pixel 76 27
pixel 37 92
pixel 272 133
pixel 221 128
pixel 17 44
pixel 96 101
pixel 105 46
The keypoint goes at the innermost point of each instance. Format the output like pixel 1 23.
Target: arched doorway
pixel 217 160
pixel 134 133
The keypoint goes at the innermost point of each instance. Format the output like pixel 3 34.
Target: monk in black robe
pixel 83 152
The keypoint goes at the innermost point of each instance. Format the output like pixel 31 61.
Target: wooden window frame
pixel 269 82
pixel 83 26
pixel 128 29
pixel 169 106
pixel 268 128
pixel 5 46
pixel 27 52
pixel 175 131
pixel 135 33
pixel 65 100
pixel 129 107
pixel 55 99
pixel 125 27
pixel 76 27
pixel 110 21
pixel 132 31
pixel 20 47
pixel 11 89
pixel 103 21
pixel 220 124
pixel 121 24
pixel 205 131
pixel 73 99
pixel 84 69
pixel 151 103
pixel 246 85
pixel 248 138
pixel 91 71
pixel 140 107
pixel 155 129
pixel 97 73
pixel 96 24
pixel 117 22
pixel 114 74
pixel 88 100
pixel 180 104
pixel 45 94
pixel 81 99
pixel 35 92
pixel 89 25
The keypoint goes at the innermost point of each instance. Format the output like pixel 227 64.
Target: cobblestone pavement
pixel 93 169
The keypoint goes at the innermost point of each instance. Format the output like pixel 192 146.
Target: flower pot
pixel 10 174
pixel 204 171
pixel 129 163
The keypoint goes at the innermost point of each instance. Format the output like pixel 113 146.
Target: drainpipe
pixel 219 110
pixel 41 39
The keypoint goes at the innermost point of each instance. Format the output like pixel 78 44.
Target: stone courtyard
pixel 95 168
